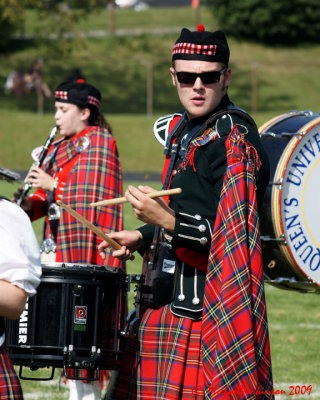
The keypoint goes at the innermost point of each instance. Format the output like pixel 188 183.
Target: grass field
pixel 21 132
pixel 294 326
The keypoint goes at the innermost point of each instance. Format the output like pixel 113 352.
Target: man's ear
pixel 173 76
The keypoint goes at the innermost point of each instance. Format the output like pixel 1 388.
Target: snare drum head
pixel 295 194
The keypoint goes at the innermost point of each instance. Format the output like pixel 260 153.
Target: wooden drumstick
pixel 115 245
pixel 152 195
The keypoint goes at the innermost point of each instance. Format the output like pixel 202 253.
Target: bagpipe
pixel 40 159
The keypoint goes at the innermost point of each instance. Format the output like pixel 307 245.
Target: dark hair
pixel 97 119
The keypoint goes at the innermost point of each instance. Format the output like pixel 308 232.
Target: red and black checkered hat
pixel 80 93
pixel 201 45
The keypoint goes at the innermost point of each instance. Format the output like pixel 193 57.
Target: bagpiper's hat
pixel 201 45
pixel 9 175
pixel 80 93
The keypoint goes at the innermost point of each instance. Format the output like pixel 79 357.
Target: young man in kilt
pixel 209 340
pixel 81 167
pixel 20 272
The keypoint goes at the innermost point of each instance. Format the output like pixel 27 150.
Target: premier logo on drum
pixel 80 318
pixel 23 325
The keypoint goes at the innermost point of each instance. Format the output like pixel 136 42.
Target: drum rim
pixel 276 194
pixel 282 117
pixel 76 266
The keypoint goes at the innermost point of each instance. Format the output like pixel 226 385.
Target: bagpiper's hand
pixel 40 179
pixel 130 241
pixel 151 211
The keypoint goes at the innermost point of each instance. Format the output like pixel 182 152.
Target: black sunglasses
pixel 189 78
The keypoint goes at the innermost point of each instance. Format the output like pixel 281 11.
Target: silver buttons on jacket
pixel 181 297
pixel 202 228
pixel 195 300
pixel 203 240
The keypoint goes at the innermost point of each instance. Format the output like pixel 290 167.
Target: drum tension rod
pixel 273 239
pixel 276 183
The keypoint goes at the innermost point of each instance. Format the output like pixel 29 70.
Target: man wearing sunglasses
pixel 209 336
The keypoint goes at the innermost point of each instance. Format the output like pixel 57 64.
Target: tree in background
pixel 11 17
pixel 61 17
pixel 286 22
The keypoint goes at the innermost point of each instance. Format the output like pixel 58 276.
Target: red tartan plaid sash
pixel 95 176
pixel 235 340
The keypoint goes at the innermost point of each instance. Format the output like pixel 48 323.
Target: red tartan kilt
pixel 170 357
pixel 10 387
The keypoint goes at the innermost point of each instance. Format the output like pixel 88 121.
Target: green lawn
pixel 21 132
pixel 160 17
pixel 294 326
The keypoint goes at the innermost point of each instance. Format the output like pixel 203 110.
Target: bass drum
pixel 290 234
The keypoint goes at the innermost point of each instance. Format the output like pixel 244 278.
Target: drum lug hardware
pixel 136 278
pixel 77 290
pixel 286 134
pixel 300 135
pixel 268 134
pixel 283 240
pixel 166 244
pixel 272 264
pixel 308 112
pixel 276 183
pixel 273 239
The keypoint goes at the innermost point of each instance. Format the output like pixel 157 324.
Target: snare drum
pixel 75 320
pixel 290 219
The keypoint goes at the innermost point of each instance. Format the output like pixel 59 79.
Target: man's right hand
pixel 130 241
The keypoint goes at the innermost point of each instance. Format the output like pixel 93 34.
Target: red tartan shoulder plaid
pixel 235 340
pixel 96 176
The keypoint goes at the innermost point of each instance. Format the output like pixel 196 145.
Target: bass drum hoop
pixel 276 197
pixel 276 209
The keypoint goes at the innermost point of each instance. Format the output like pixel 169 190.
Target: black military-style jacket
pixel 195 208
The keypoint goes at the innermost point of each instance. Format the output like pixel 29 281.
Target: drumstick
pixel 115 245
pixel 152 195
